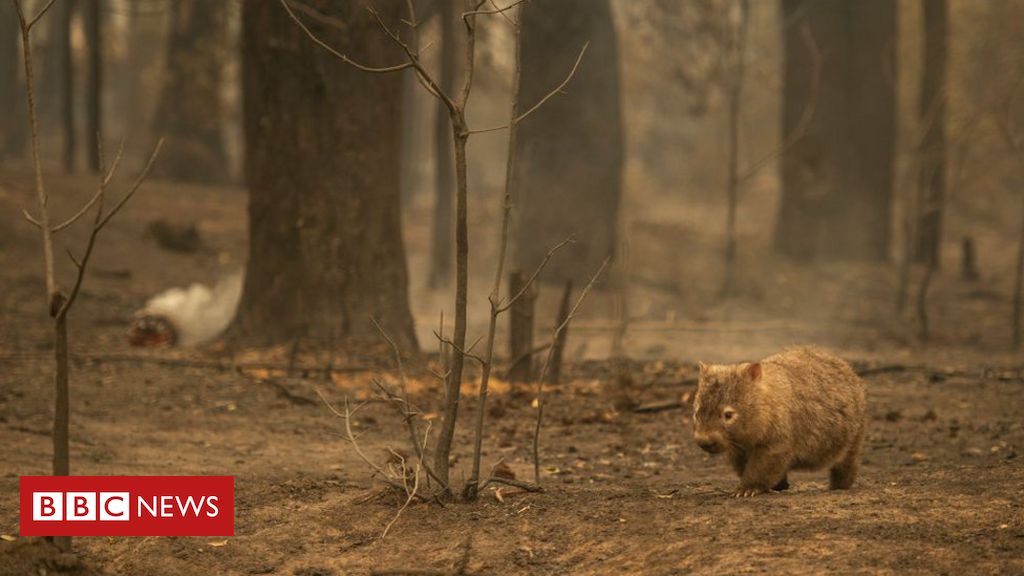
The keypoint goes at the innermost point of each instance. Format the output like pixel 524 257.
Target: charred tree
pixel 322 155
pixel 93 19
pixel 932 151
pixel 837 174
pixel 189 112
pixel 56 81
pixel 568 174
pixel 443 235
pixel 13 127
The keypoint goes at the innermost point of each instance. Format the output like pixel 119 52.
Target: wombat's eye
pixel 728 414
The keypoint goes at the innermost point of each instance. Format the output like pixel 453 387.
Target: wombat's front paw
pixel 747 492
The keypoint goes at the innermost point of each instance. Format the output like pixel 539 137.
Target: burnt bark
pixel 932 151
pixel 322 155
pixel 520 324
pixel 92 12
pixel 568 175
pixel 188 115
pixel 444 164
pixel 837 175
pixel 13 126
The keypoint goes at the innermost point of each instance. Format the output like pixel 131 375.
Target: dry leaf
pixel 8 538
pixel 217 543
pixel 498 496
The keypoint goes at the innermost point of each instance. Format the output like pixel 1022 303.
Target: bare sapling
pixel 555 335
pixel 58 302
pixel 456 107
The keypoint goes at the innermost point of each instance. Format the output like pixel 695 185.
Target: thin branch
pixel 41 13
pixel 415 487
pixel 135 185
pixel 339 55
pixel 106 180
pixel 30 219
pixel 558 89
pixel 496 10
pixel 467 352
pixel 347 417
pixel 319 16
pixel 524 485
pixel 414 61
pixel 547 362
pixel 533 277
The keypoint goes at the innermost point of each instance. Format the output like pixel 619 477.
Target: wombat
pixel 801 409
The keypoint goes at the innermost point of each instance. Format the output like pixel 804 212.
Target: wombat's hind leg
pixel 842 475
pixel 782 485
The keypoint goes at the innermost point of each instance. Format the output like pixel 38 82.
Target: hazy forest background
pixel 733 177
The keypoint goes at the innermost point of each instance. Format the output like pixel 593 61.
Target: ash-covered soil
pixel 625 492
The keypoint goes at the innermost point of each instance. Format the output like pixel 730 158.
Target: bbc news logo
pixel 127 505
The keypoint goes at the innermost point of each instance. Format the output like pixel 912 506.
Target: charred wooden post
pixel 558 345
pixel 969 266
pixel 520 328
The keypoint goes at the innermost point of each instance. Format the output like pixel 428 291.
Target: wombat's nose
pixel 707 445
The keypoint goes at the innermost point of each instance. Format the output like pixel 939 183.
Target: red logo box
pixel 127 505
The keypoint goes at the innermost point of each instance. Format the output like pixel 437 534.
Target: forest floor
pixel 625 492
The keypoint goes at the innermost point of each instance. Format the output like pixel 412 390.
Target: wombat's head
pixel 724 405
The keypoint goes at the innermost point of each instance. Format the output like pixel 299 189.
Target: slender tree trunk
pixel 932 151
pixel 13 127
pixel 837 175
pixel 93 18
pixel 322 153
pixel 568 173
pixel 64 18
pixel 441 245
pixel 732 186
pixel 189 113
pixel 1018 287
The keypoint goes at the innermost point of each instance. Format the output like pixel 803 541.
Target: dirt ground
pixel 941 489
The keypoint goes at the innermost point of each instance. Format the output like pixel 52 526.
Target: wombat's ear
pixel 753 372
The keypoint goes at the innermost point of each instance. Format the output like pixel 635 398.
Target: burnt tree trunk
pixel 568 175
pixel 444 164
pixel 189 112
pixel 13 124
pixel 520 328
pixel 837 175
pixel 932 151
pixel 56 81
pixel 322 155
pixel 93 18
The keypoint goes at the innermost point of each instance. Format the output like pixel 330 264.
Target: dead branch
pixel 327 47
pixel 557 90
pixel 521 484
pixel 547 361
pixel 536 274
pixel 346 417
pixel 420 462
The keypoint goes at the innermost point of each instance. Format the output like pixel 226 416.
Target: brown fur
pixel 801 409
